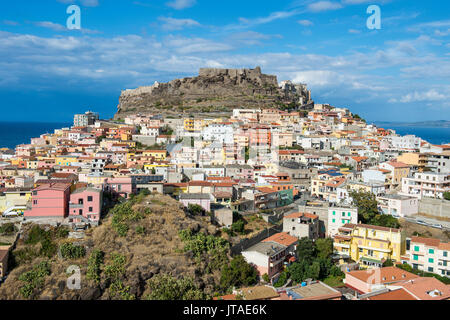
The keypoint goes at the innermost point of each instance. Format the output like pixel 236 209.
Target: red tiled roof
pixel 283 238
pixel 301 214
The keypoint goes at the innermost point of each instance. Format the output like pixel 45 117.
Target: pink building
pixel 86 202
pixel 201 199
pixel 120 186
pixel 267 257
pixel 50 200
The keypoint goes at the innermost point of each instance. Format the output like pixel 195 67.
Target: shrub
pixel 8 229
pixel 34 278
pixel 36 234
pixel 140 230
pixel 166 287
pixel 94 265
pixel 238 226
pixel 71 251
pixel 48 248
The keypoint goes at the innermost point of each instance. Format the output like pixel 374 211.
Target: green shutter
pixel 431 251
pixel 430 260
pixel 416 248
pixel 416 257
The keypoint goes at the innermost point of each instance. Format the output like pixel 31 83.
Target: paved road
pixel 430 222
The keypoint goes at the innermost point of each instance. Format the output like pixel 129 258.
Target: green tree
pixel 447 195
pixel 306 250
pixel 196 210
pixel 388 263
pixel 324 247
pixel 385 220
pixel 367 205
pixel 238 273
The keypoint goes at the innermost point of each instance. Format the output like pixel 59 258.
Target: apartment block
pixel 340 216
pixel 370 245
pixel 426 184
pixel 428 254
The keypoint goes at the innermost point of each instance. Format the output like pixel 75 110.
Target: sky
pixel 400 72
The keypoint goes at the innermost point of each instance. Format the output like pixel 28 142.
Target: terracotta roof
pixel 427 289
pixel 301 214
pixel 399 294
pixel 397 164
pixel 430 242
pixel 386 275
pixel 359 159
pixel 283 238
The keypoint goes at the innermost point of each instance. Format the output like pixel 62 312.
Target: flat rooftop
pixel 318 290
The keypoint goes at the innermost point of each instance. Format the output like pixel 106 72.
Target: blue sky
pixel 398 73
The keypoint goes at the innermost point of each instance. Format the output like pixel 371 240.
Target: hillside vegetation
pixel 143 245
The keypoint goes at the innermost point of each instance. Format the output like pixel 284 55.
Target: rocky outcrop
pixel 214 90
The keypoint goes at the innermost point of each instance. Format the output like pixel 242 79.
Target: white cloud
pixel 321 6
pixel 86 3
pixel 305 23
pixel 181 4
pixel 177 24
pixel 416 96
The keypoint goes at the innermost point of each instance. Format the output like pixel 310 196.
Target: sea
pixel 434 135
pixel 15 133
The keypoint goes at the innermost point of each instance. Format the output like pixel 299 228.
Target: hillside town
pixel 310 177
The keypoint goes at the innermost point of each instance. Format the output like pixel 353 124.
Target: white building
pixel 338 216
pixel 408 142
pixel 398 205
pixel 426 184
pixel 429 255
pixel 218 132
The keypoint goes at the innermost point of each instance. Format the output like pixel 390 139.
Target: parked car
pixel 421 222
pixel 438 226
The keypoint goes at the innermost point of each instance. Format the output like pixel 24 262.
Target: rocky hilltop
pixel 215 90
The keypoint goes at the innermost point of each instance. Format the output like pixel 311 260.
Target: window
pixel 431 251
pixel 349 214
pixel 343 221
pixel 334 213
pixel 90 199
pixel 35 202
pixel 34 193
pixel 430 269
pixel 430 260
pixel 415 257
pixel 416 248
pixel 445 253
pixel 343 214
pixel 334 220
pixel 80 201
pixel 91 209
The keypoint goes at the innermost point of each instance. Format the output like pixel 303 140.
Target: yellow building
pixel 194 125
pixel 159 155
pixel 13 198
pixel 414 159
pixel 66 160
pixel 370 245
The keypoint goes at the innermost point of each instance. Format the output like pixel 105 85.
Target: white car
pixel 421 222
pixel 439 226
